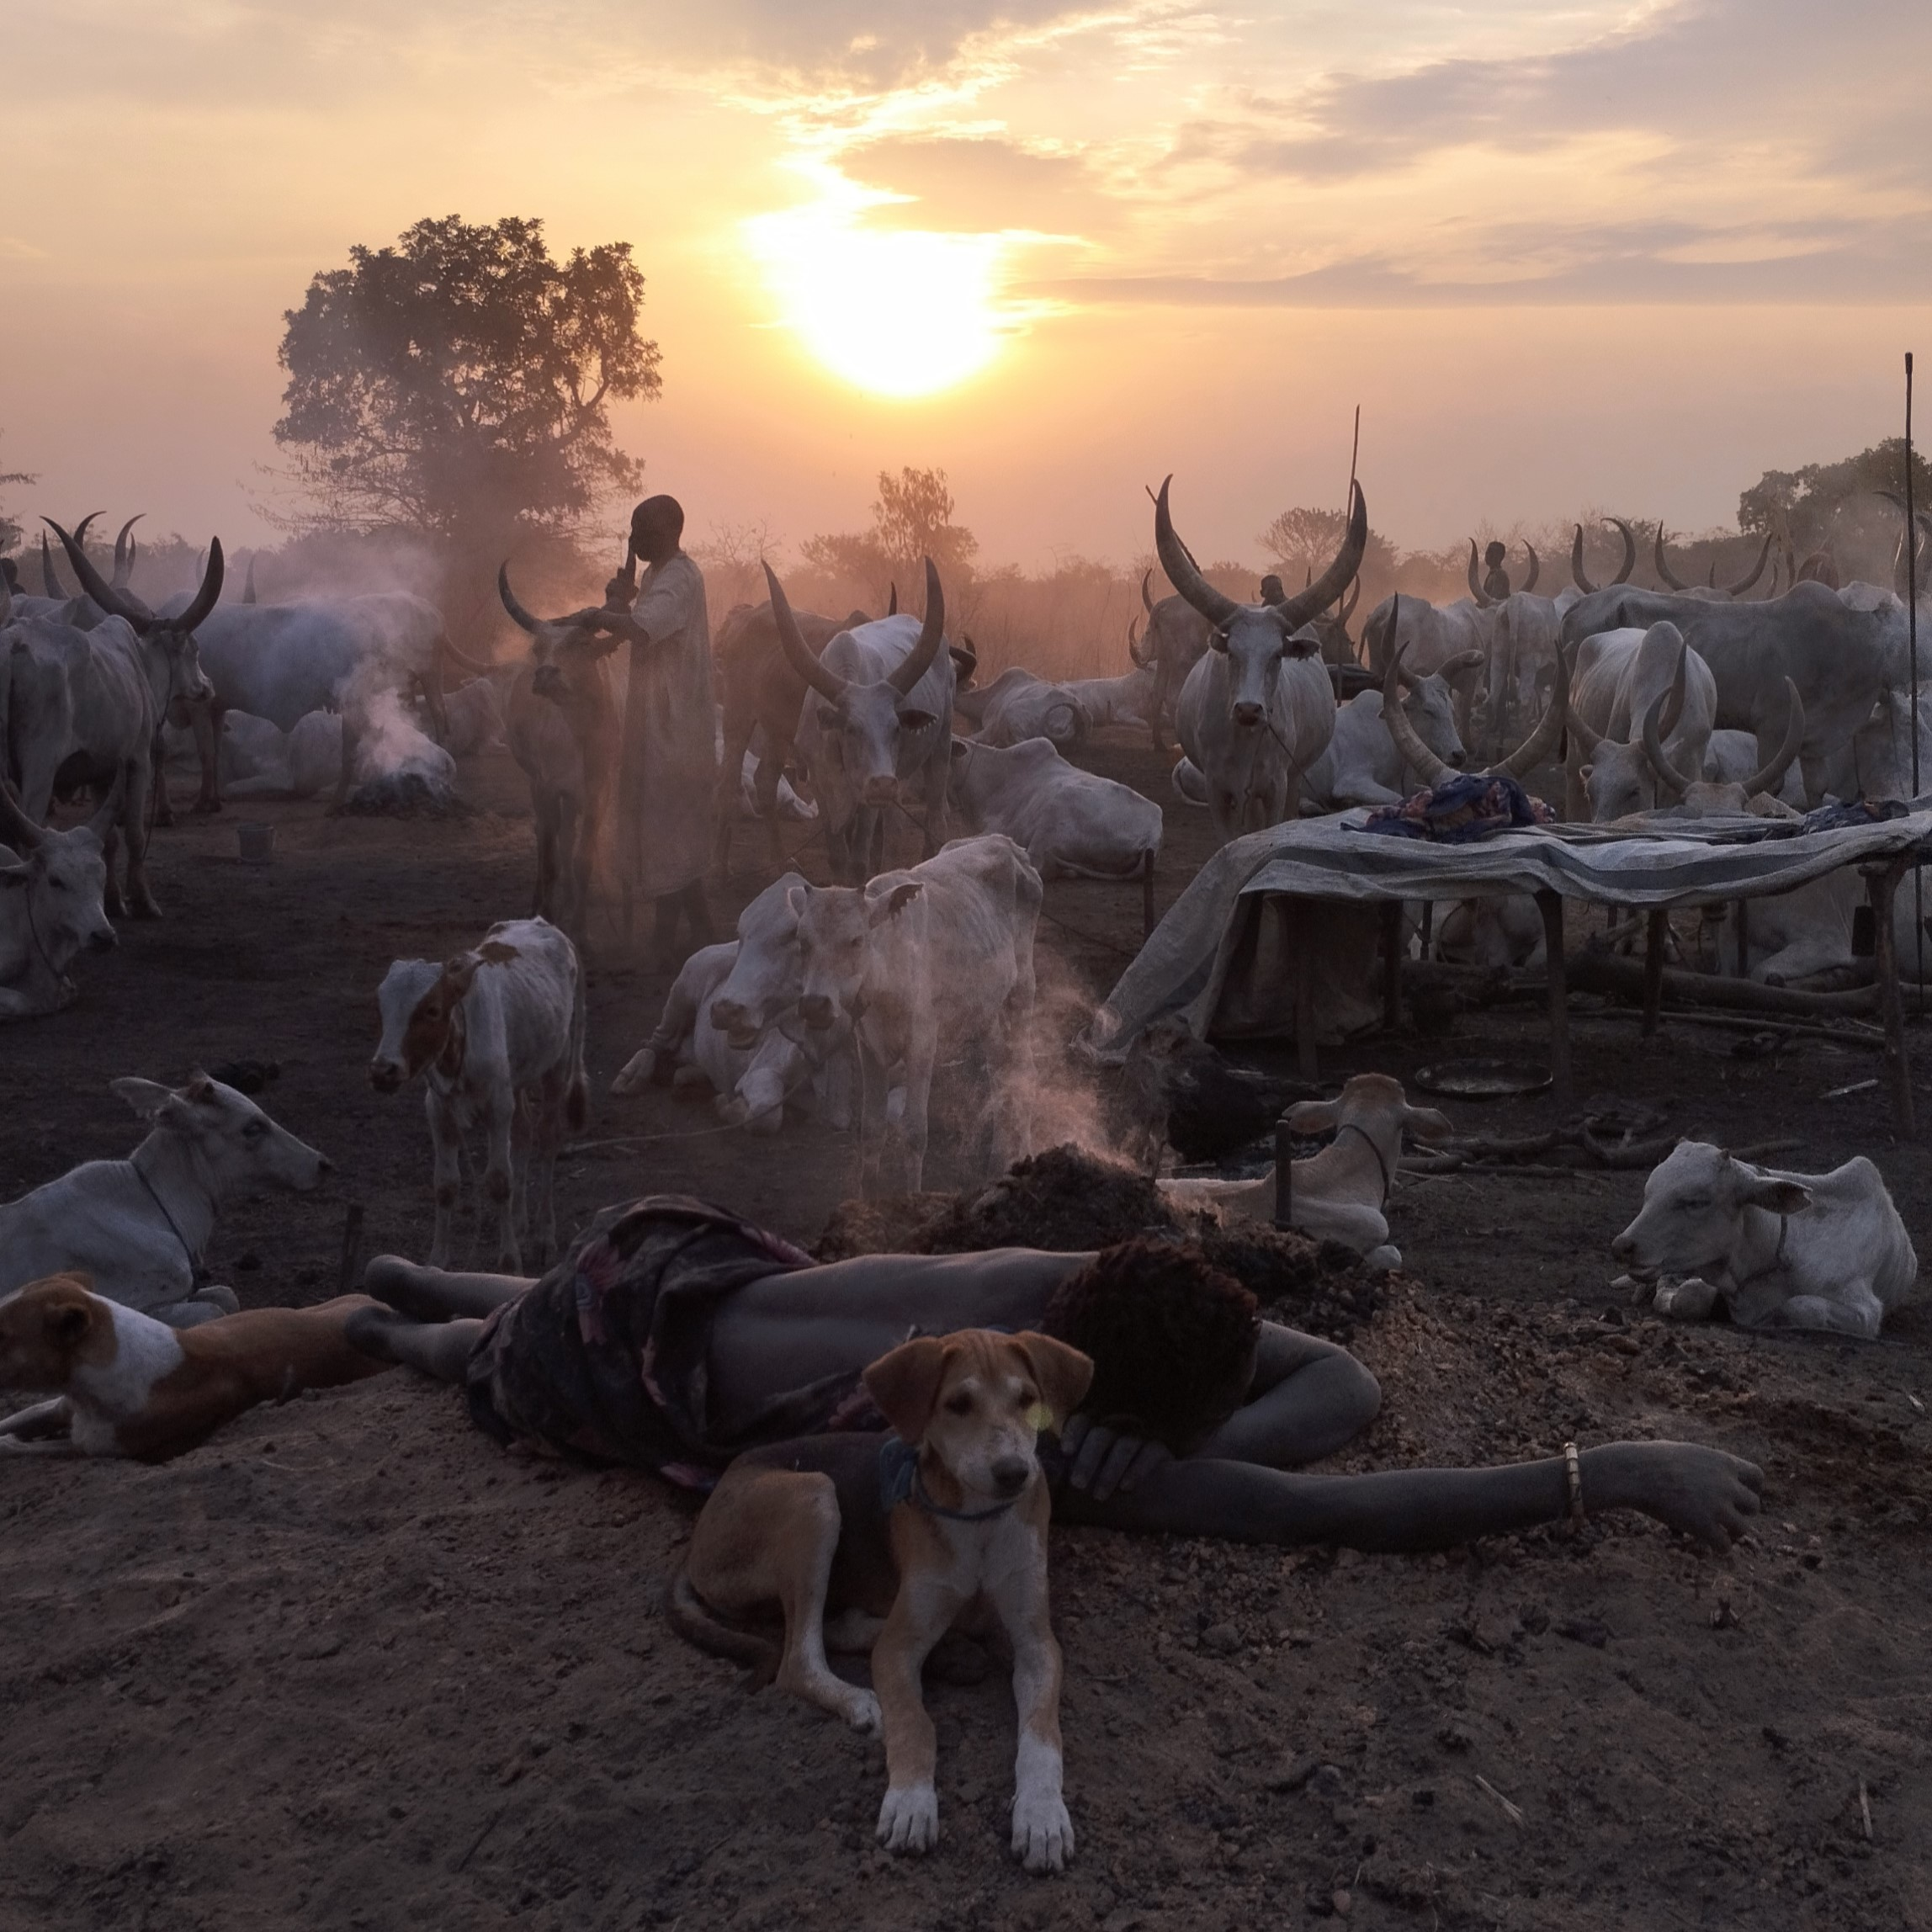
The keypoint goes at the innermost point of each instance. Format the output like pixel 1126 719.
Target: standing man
pixel 668 780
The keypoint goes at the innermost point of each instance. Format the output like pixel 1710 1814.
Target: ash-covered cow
pixel 51 889
pixel 1071 823
pixel 1341 1193
pixel 878 722
pixel 928 966
pixel 139 1228
pixel 1362 765
pixel 1779 1250
pixel 497 1034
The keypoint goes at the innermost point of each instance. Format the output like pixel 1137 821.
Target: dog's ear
pixel 1063 1373
pixel 905 1385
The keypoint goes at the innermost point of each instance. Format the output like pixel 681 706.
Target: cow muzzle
pixel 385 1076
pixel 1247 715
pixel 735 1023
pixel 881 792
pixel 817 1010
pixel 106 940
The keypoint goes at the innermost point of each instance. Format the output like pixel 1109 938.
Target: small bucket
pixel 257 842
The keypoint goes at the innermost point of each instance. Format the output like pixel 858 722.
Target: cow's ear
pixel 199 1088
pixel 1584 771
pixel 460 974
pixel 146 1097
pixel 1779 1197
pixel 795 900
pixel 1312 1116
pixel 17 874
pixel 905 1385
pixel 958 749
pixel 1425 1123
pixel 914 719
pixel 894 902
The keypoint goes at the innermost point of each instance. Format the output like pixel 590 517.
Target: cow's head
pixel 1373 1104
pixel 1256 637
pixel 865 721
pixel 763 981
pixel 1697 797
pixel 51 893
pixel 421 1019
pixel 1694 1209
pixel 567 652
pixel 174 660
pixel 836 925
pixel 1429 703
pixel 1620 778
pixel 231 1141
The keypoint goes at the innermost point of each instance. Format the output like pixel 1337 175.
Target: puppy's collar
pixel 900 1481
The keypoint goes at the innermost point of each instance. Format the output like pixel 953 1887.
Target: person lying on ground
pixel 673 1335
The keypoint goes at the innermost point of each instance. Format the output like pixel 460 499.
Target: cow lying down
pixel 1780 1250
pixel 1071 823
pixel 1341 1194
pixel 139 1228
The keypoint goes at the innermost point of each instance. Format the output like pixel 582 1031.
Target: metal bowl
pixel 1485 1079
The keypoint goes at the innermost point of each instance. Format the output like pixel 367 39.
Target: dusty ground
pixel 349 1665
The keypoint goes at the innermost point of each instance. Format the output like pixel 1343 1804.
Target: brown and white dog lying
pixel 946 1516
pixel 125 1384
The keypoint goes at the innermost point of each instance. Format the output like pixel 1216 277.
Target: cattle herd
pixel 892 1002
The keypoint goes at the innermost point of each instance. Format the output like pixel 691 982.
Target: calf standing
pixel 498 1034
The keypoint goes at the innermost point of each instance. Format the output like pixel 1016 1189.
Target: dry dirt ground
pixel 351 1666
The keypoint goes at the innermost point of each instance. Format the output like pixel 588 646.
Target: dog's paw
pixel 1043 1833
pixel 909 1820
pixel 862 1713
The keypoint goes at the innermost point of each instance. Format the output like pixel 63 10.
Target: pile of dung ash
pixel 405 795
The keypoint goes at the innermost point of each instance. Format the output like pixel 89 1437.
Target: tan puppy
pixel 948 1515
pixel 128 1385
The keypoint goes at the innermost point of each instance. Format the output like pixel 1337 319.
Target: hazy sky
pixel 1627 256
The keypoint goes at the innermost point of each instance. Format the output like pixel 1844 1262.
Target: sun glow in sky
pixel 1622 254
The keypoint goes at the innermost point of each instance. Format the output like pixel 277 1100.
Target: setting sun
pixel 897 312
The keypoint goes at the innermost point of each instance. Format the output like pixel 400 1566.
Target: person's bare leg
pixel 439 1294
pixel 439 1350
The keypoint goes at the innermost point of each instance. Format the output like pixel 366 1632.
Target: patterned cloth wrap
pixel 604 1360
pixel 1459 811
pixel 1859 812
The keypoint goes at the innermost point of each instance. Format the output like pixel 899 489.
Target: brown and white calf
pixel 1341 1194
pixel 497 1034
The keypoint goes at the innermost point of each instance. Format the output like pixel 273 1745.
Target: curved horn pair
pixel 826 681
pixel 1766 779
pixel 1737 589
pixel 124 553
pixel 1524 760
pixel 130 611
pixel 1146 596
pixel 1622 577
pixel 1482 603
pixel 1292 613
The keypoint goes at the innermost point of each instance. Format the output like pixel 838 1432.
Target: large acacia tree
pixel 458 384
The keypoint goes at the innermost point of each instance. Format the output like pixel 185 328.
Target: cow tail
pixel 693 1620
pixel 577 1098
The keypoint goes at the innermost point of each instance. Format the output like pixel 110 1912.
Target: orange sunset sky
pixel 1564 255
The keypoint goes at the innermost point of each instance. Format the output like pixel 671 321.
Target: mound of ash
pixel 405 795
pixel 1068 1201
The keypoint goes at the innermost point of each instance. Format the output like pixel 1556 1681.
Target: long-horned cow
pixel 1619 674
pixel 1258 708
pixel 878 718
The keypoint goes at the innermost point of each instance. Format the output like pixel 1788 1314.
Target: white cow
pixel 1341 1194
pixel 51 888
pixel 878 717
pixel 752 1085
pixel 1019 705
pixel 497 1033
pixel 1793 937
pixel 1258 708
pixel 1070 823
pixel 472 719
pixel 927 965
pixel 788 804
pixel 1618 675
pixel 139 1228
pixel 1783 1250
pixel 1362 765
pixel 1499 929
pixel 1732 757
pixel 1126 699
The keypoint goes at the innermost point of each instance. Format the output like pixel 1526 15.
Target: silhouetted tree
pixel 9 526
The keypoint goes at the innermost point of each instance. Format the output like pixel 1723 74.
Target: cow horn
pixel 1134 647
pixel 1475 587
pixel 1220 611
pixel 50 584
pixel 1350 602
pixel 932 635
pixel 208 595
pixel 1146 597
pixel 248 588
pixel 109 808
pixel 518 616
pixel 474 666
pixel 1663 569
pixel 892 600
pixel 1587 739
pixel 1751 576
pixel 1668 775
pixel 6 594
pixel 1406 738
pixel 1629 563
pixel 1334 580
pixel 1541 741
pixel 826 682
pixel 124 553
pixel 1769 777
pixel 18 829
pixel 1462 660
pixel 1536 567
pixel 80 528
pixel 1576 569
pixel 91 580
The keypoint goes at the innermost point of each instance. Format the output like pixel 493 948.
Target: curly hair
pixel 1172 1338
